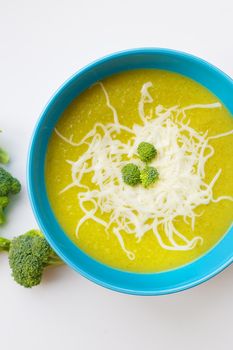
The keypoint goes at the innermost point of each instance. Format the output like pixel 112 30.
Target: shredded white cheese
pixel 182 155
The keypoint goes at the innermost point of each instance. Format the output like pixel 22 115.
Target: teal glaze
pixel 133 283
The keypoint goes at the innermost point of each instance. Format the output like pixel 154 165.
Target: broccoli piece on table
pixel 8 184
pixel 29 254
pixel 4 201
pixel 148 176
pixel 146 151
pixel 131 174
pixel 4 156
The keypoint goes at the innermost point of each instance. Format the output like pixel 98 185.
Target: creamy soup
pixel 177 218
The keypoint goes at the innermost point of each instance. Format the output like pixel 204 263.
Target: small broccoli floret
pixel 4 156
pixel 8 184
pixel 131 174
pixel 5 182
pixel 4 201
pixel 148 176
pixel 29 254
pixel 146 151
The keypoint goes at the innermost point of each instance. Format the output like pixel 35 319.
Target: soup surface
pixel 89 207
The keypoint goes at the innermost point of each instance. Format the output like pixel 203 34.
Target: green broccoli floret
pixel 4 156
pixel 29 254
pixel 4 201
pixel 8 184
pixel 146 151
pixel 148 176
pixel 131 174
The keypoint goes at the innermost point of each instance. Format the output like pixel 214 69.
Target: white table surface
pixel 42 43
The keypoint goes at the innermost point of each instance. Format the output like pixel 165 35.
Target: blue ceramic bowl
pixel 134 283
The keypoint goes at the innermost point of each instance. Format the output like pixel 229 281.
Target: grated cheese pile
pixel 182 154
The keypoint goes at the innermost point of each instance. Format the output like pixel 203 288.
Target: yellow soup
pixel 176 219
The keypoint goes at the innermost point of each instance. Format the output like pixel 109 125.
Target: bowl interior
pixel 135 283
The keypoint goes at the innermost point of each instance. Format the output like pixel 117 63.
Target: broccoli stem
pixel 4 244
pixel 4 156
pixel 54 259
pixel 2 216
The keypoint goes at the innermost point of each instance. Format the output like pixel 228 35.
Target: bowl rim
pixel 33 200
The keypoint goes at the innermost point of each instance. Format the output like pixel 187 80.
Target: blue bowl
pixel 133 283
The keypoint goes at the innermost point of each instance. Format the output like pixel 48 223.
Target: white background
pixel 42 43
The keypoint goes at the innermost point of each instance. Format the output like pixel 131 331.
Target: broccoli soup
pixel 139 170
